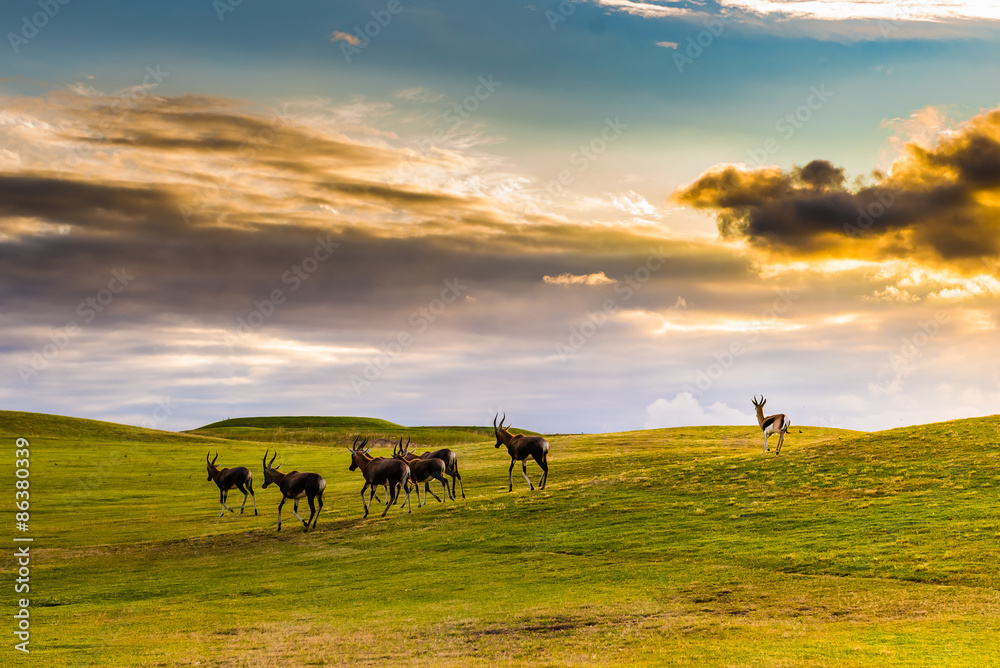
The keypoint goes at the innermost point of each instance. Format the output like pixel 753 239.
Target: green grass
pixel 676 547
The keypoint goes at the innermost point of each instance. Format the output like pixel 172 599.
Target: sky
pixel 592 216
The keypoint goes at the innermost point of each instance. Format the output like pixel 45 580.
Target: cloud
pixel 633 203
pixel 817 10
pixel 826 19
pixel 842 10
pixel 684 410
pixel 214 205
pixel 651 9
pixel 573 279
pixel 668 45
pixel 338 36
pixel 938 205
pixel 418 94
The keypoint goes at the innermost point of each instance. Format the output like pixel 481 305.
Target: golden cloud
pixel 577 279
pixel 938 205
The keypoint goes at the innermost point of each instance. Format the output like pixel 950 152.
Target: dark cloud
pixel 88 204
pixel 213 208
pixel 938 205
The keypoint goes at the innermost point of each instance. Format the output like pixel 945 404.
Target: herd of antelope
pixel 397 473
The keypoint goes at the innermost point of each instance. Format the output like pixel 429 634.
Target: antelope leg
pixel 222 499
pixel 524 472
pixel 242 489
pixel 312 513
pixel 390 502
pixel 427 488
pixel 295 511
pixel 320 499
pixel 363 502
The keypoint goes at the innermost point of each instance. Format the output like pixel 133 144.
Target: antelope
pixel 772 424
pixel 392 473
pixel 294 486
pixel 520 447
pixel 450 460
pixel 239 477
pixel 422 471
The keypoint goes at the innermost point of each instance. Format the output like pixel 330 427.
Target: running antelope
pixel 520 447
pixel 422 471
pixel 239 477
pixel 772 424
pixel 450 460
pixel 294 486
pixel 392 473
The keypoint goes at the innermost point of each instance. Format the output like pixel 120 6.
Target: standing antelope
pixel 239 477
pixel 450 460
pixel 392 473
pixel 422 471
pixel 294 486
pixel 772 424
pixel 520 447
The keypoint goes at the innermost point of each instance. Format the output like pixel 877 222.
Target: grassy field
pixel 666 547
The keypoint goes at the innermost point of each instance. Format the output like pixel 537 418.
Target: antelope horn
pixel 273 458
pixel 502 419
pixel 495 421
pixel 214 458
pixel 406 451
pixel 207 455
pixel 355 446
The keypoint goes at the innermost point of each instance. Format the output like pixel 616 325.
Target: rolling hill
pixel 660 547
